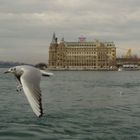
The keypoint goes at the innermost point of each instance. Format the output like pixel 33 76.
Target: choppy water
pixel 77 105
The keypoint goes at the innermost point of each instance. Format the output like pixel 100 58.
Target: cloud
pixel 27 26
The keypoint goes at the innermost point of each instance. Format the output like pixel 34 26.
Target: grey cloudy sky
pixel 26 26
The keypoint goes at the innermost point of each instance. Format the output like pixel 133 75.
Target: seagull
pixel 28 78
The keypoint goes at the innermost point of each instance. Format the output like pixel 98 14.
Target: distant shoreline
pixel 9 64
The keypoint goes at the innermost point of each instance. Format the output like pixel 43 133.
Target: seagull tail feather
pixel 45 73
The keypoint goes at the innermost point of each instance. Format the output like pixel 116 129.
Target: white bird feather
pixel 29 77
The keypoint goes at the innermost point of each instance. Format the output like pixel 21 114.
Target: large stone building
pixel 81 55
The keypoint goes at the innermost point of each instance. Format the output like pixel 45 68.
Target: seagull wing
pixel 30 80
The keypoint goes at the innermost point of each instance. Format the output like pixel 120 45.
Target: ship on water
pixel 129 67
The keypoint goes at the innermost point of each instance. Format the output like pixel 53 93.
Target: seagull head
pixel 11 70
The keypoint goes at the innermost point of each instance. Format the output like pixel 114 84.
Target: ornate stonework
pixel 82 55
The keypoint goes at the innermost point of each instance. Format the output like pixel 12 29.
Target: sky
pixel 27 26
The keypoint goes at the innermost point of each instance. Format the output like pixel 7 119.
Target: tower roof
pixel 54 39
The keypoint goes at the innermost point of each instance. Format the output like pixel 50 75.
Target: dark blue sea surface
pixel 78 105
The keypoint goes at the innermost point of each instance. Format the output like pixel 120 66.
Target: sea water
pixel 78 105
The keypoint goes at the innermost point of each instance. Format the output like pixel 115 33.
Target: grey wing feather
pixel 30 82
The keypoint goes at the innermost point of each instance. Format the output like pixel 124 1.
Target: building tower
pixel 53 52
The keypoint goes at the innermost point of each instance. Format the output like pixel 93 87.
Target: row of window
pixel 88 50
pixel 81 64
pixel 89 45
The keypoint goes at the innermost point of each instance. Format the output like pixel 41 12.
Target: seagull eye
pixel 14 69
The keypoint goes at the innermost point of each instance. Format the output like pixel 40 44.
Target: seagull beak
pixel 6 72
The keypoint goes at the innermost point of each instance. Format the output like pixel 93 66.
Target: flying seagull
pixel 28 78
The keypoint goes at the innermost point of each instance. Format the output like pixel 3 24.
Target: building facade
pixel 81 55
